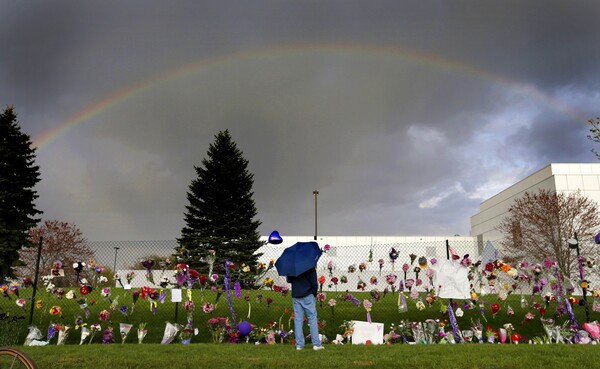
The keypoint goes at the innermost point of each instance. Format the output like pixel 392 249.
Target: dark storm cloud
pixel 428 109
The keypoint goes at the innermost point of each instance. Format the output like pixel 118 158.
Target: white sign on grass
pixel 365 331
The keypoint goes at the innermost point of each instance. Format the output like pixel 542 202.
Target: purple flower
pixel 238 289
pixel 180 278
pixel 107 337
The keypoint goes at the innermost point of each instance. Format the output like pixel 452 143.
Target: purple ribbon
pixel 454 324
pixel 228 291
pixel 573 320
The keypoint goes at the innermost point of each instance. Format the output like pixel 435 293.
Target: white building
pixel 563 177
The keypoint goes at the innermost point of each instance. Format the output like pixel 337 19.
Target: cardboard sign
pixel 365 331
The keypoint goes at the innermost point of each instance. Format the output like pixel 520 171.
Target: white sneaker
pixel 316 348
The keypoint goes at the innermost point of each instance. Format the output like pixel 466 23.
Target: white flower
pixel 512 272
pixel 459 312
pixel 420 305
pixel 102 279
pixel 50 287
pixel 502 294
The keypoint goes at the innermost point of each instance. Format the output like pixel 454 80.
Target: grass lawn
pixel 472 356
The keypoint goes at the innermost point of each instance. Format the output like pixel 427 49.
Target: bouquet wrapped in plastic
pixel 124 329
pixel 171 331
pixel 63 333
pixel 85 332
pixel 142 331
pixel 33 334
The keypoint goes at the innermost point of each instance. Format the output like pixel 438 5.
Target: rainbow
pixel 289 51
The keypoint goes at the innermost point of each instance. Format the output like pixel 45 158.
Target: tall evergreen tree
pixel 18 176
pixel 221 211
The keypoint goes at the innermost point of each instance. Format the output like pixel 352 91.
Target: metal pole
pixel 316 193
pixel 35 280
pixel 115 263
pixel 582 275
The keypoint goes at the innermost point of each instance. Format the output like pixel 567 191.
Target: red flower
pixel 84 290
pixel 573 300
pixel 495 309
pixel 321 279
pixel 515 337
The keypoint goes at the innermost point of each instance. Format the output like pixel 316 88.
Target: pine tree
pixel 221 211
pixel 18 176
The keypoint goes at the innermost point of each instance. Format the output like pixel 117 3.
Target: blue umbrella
pixel 298 258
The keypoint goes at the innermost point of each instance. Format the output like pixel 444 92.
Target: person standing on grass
pixel 304 292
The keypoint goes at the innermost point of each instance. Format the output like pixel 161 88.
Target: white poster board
pixel 453 279
pixel 365 331
pixel 175 295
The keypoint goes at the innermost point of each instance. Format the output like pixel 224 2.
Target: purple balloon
pixel 597 238
pixel 244 328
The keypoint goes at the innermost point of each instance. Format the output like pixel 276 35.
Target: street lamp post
pixel 316 193
pixel 115 263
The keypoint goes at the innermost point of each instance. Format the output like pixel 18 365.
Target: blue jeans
pixel 306 305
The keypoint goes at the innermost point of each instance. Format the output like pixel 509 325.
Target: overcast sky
pixel 403 115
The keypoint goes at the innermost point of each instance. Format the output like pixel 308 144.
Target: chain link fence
pixel 345 268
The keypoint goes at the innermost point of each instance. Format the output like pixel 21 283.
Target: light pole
pixel 115 263
pixel 316 193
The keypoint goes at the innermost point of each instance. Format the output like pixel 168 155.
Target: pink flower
pixel 208 308
pixel 189 305
pixel 549 263
pixel 414 294
pixel 104 315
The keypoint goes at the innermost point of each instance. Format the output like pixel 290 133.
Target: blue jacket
pixel 305 284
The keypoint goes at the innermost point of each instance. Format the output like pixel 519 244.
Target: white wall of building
pixel 560 177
